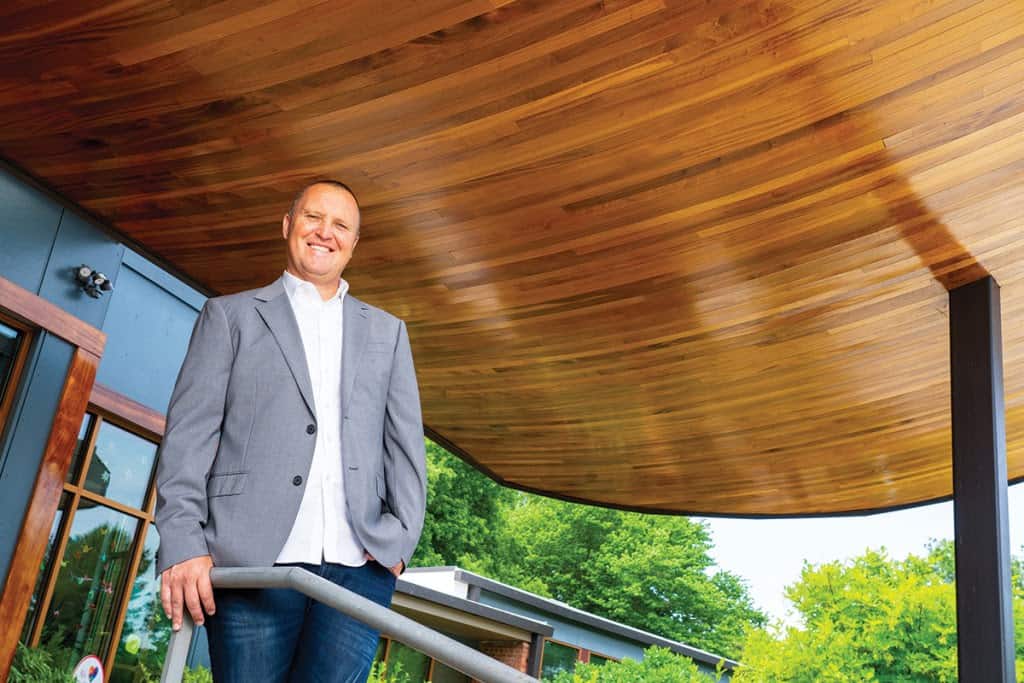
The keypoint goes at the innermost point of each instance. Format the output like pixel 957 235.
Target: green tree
pixel 465 515
pixel 649 571
pixel 869 619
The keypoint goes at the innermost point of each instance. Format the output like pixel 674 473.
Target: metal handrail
pixel 428 641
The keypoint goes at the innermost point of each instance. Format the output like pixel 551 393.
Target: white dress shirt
pixel 322 531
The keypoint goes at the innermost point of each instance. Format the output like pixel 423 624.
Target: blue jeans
pixel 280 635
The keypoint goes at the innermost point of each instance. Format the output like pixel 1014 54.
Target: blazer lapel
pixel 276 311
pixel 356 327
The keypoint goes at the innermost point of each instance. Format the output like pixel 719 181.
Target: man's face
pixel 321 233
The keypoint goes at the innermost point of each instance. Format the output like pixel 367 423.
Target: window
pixel 415 666
pixel 403 661
pixel 96 592
pixel 13 348
pixel 599 660
pixel 558 657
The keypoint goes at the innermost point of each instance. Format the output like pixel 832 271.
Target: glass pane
pixel 10 340
pixel 90 579
pixel 76 459
pixel 446 674
pixel 140 654
pixel 44 568
pixel 558 658
pixel 598 660
pixel 121 466
pixel 407 662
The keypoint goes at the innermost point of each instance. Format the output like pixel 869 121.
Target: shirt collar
pixel 303 288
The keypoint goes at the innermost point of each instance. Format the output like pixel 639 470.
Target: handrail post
pixel 428 641
pixel 177 651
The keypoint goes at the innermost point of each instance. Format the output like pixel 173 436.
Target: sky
pixel 769 553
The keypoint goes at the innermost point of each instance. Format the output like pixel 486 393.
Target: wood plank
pixel 38 312
pixel 686 257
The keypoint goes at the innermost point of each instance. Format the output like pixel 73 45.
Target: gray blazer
pixel 241 428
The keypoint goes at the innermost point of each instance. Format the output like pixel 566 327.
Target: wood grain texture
pixel 40 313
pixel 655 254
pixel 127 413
pixel 49 485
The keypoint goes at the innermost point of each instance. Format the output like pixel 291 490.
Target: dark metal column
pixel 983 599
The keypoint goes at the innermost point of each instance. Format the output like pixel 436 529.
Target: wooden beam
pixel 39 312
pixel 983 595
pixel 35 529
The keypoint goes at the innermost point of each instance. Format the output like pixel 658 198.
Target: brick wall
pixel 514 653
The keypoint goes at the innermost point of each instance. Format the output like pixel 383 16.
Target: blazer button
pixel 311 429
pixel 297 480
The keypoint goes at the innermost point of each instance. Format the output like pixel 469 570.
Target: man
pixel 294 437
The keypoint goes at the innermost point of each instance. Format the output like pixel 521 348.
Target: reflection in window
pixel 121 466
pixel 89 581
pixel 80 616
pixel 44 568
pixel 10 340
pixel 146 629
pixel 598 660
pixel 403 661
pixel 558 657
pixel 446 674
pixel 81 445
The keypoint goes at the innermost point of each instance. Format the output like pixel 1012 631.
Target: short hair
pixel 325 181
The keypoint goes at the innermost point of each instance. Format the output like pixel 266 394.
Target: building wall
pixel 570 632
pixel 574 633
pixel 147 318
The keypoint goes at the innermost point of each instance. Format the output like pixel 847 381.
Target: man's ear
pixel 285 225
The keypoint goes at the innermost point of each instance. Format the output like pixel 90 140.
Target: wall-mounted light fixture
pixel 93 282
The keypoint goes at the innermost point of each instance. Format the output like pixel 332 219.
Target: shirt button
pixel 297 480
pixel 311 429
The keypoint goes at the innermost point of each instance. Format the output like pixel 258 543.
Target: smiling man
pixel 294 437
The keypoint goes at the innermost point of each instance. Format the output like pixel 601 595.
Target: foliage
pixel 659 665
pixel 34 665
pixel 465 514
pixel 200 674
pixel 869 619
pixel 380 672
pixel 648 571
pixel 83 597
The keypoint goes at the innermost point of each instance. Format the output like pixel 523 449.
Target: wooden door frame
pixel 43 317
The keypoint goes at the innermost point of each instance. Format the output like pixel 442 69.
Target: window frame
pixel 105 405
pixel 43 318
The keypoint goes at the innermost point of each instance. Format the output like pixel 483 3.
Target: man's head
pixel 321 229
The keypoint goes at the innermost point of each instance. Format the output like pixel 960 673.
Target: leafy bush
pixel 659 665
pixel 36 665
pixel 197 675
pixel 380 673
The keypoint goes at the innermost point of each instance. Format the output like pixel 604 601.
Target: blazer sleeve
pixel 404 450
pixel 191 438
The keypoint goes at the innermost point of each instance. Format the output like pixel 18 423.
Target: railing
pixel 389 623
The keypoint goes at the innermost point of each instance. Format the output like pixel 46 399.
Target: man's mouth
pixel 320 248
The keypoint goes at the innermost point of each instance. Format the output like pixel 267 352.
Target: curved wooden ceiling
pixel 682 256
